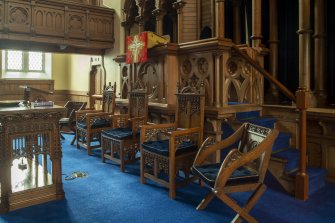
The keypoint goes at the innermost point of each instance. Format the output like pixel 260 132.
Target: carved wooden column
pixel 303 95
pixel 140 17
pixel 256 37
pixel 178 5
pixel 320 59
pixel 273 44
pixel 237 21
pixel 219 19
pixel 158 13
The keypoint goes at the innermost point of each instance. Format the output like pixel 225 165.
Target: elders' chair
pixel 121 143
pixel 243 169
pixel 91 123
pixel 168 148
pixel 70 120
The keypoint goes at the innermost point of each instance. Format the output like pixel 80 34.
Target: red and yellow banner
pixel 137 47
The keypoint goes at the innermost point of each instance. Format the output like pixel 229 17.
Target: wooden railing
pixel 301 100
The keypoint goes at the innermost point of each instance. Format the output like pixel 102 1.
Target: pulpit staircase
pixel 284 161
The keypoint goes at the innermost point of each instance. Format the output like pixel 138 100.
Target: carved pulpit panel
pixel 19 17
pixel 48 21
pixel 77 25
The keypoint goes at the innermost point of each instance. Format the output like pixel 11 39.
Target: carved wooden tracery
pixel 57 23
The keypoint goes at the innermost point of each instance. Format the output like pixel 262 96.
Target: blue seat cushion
pixel 162 147
pixel 117 133
pixel 209 172
pixel 98 123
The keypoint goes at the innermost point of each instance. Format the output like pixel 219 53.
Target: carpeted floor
pixel 107 195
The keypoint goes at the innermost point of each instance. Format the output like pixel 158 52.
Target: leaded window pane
pixel 35 61
pixel 14 60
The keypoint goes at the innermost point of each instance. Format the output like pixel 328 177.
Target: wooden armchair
pixel 168 148
pixel 91 123
pixel 121 143
pixel 243 169
pixel 70 120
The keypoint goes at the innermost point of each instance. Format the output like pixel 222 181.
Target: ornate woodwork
pixel 31 136
pixel 56 26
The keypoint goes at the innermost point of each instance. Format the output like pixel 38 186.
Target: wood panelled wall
pixel 55 26
pixel 190 21
pixel 206 12
pixel 10 89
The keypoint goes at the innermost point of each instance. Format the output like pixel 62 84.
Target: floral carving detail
pixel 203 66
pixel 18 16
pixel 187 67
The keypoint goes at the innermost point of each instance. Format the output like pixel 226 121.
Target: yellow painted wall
pixel 79 70
pixel 60 73
pixel 112 68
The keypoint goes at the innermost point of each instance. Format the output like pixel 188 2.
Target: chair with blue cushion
pixel 121 142
pixel 243 169
pixel 168 150
pixel 90 123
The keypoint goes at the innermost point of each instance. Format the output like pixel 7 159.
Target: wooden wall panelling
pixel 320 139
pixel 10 89
pixel 2 15
pixel 18 16
pixel 56 26
pixel 49 20
pixel 190 21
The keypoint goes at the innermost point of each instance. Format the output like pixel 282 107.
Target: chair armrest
pixel 180 136
pixel 120 121
pixel 82 113
pixel 206 149
pixel 148 132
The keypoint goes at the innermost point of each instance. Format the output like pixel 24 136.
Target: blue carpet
pixel 108 195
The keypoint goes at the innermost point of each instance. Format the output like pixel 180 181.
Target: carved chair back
pixel 73 106
pixel 138 103
pixel 251 138
pixel 108 100
pixel 190 108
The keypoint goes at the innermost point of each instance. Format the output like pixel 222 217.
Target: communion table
pixel 30 155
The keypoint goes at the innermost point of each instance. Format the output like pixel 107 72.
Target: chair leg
pixel 121 156
pixel 142 168
pixel 203 204
pixel 88 143
pixel 172 180
pixel 233 205
pixel 252 200
pixel 103 149
pixel 74 139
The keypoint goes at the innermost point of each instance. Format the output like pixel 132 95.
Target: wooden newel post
pixel 301 183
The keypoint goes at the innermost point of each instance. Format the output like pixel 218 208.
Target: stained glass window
pixel 14 60
pixel 24 61
pixel 35 61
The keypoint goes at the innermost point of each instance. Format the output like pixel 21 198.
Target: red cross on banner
pixel 137 48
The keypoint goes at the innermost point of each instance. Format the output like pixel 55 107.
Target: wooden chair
pixel 70 120
pixel 168 148
pixel 121 143
pixel 243 169
pixel 91 123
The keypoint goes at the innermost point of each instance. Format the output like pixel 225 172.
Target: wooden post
pixel 237 21
pixel 320 94
pixel 178 5
pixel 302 95
pixel 273 44
pixel 159 21
pixel 219 19
pixel 256 37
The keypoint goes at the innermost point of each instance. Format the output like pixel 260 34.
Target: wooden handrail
pixel 266 74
